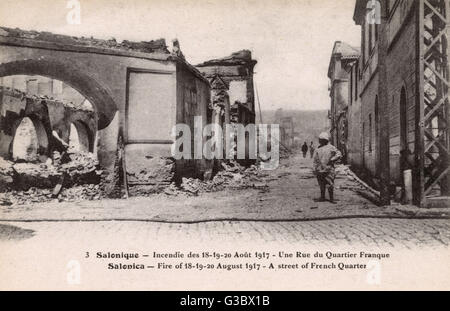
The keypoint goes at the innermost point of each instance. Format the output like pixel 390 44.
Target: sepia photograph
pixel 224 145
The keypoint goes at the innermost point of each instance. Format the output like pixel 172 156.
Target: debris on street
pixel 27 182
pixel 232 176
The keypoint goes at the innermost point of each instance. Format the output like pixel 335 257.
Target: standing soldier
pixel 311 150
pixel 325 156
pixel 304 149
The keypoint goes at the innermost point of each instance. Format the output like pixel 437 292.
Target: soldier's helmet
pixel 325 136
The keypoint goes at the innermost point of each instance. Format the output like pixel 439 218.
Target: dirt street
pixel 284 210
pixel 286 194
pixel 41 245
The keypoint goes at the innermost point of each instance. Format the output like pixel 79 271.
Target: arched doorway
pixel 25 145
pixel 79 138
pixel 106 125
pixel 51 105
pixel 30 141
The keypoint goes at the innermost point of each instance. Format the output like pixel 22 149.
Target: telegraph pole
pixel 383 106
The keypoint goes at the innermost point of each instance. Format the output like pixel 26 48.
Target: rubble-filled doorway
pixel 79 140
pixel 25 144
pixel 48 133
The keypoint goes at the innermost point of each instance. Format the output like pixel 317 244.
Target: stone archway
pixel 30 140
pixel 105 107
pixel 97 94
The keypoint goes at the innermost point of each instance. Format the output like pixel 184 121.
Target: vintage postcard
pixel 224 145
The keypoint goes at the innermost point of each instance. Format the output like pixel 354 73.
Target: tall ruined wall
pixel 237 72
pixel 193 100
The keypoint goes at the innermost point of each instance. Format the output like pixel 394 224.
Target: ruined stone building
pixel 236 71
pixel 342 56
pixel 52 106
pixel 138 92
pixel 75 124
pixel 233 94
pixel 402 71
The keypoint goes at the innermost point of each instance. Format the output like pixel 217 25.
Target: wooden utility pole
pixel 383 144
pixel 259 105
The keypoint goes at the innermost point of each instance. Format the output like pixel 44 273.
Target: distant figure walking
pixel 311 150
pixel 305 149
pixel 325 156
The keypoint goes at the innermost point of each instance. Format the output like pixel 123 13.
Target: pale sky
pixel 291 39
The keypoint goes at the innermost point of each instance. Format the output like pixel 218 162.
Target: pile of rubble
pixel 83 168
pixel 24 183
pixel 284 152
pixel 6 171
pixel 232 176
pixel 155 175
pixel 26 175
pixel 79 179
pixel 36 195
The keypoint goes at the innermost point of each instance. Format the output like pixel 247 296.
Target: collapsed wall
pixel 30 156
pixel 47 115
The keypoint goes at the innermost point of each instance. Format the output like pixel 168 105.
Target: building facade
pixel 342 56
pixel 398 98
